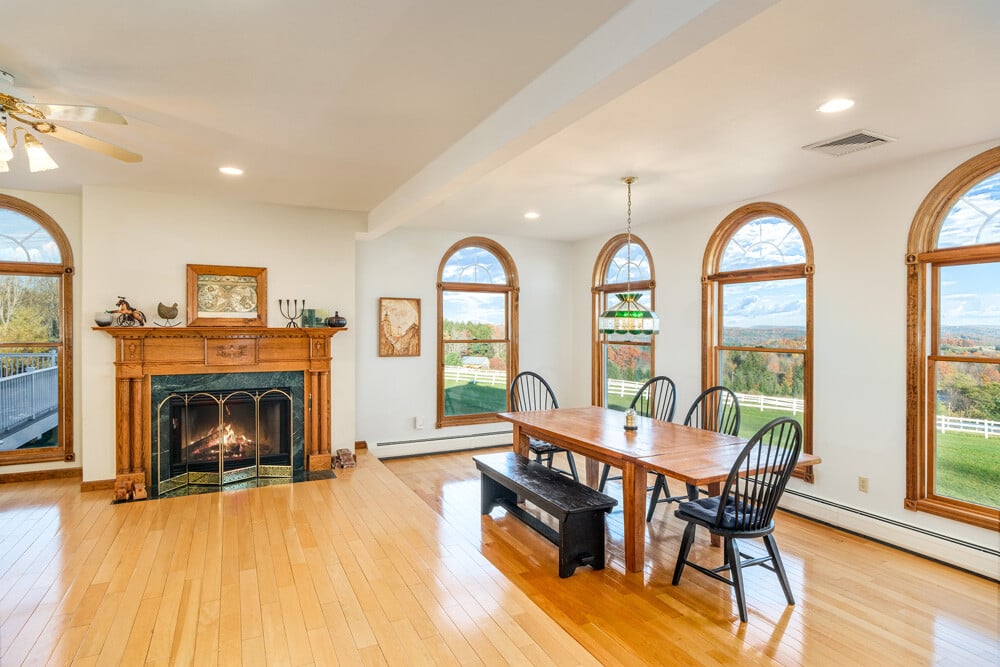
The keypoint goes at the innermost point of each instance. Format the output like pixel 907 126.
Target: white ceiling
pixel 465 114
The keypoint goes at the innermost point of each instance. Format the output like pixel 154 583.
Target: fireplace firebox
pixel 217 438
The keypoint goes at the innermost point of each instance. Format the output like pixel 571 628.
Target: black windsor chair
pixel 530 391
pixel 746 507
pixel 716 409
pixel 657 399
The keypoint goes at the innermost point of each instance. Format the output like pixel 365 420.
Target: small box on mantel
pixel 314 317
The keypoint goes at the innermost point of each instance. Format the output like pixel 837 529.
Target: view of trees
pixel 765 373
pixel 968 390
pixel 474 331
pixel 29 309
pixel 628 362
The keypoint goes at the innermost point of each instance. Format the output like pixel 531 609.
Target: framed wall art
pixel 226 296
pixel 399 327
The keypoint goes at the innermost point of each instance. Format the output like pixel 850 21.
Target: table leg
pixel 634 501
pixel 593 473
pixel 714 489
pixel 520 442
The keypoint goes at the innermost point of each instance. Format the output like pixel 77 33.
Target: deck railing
pixel 29 388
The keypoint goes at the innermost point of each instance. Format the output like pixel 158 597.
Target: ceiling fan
pixel 23 113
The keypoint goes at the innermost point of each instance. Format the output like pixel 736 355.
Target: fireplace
pixel 217 405
pixel 217 438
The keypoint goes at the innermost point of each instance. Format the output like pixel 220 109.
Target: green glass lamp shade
pixel 628 317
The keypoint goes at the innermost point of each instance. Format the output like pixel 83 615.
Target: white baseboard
pixel 439 445
pixel 961 554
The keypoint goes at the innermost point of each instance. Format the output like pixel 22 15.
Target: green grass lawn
pixel 473 399
pixel 968 468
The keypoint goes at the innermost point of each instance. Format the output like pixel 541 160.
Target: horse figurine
pixel 127 316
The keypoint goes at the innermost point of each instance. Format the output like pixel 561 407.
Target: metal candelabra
pixel 290 310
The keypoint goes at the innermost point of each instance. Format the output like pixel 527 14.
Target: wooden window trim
pixel 598 290
pixel 923 260
pixel 711 286
pixel 65 271
pixel 512 292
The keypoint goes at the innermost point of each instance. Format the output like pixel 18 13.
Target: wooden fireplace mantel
pixel 144 352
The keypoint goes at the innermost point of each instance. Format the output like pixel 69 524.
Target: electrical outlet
pixel 863 484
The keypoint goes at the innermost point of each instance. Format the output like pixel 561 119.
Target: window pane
pixel 29 309
pixel 475 378
pixel 24 240
pixel 768 385
pixel 768 241
pixel 473 264
pixel 627 367
pixel 975 218
pixel 474 315
pixel 765 314
pixel 970 310
pixel 29 398
pixel 967 466
pixel 629 263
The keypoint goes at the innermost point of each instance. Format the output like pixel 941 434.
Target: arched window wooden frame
pixel 599 292
pixel 712 280
pixel 64 346
pixel 510 290
pixel 922 256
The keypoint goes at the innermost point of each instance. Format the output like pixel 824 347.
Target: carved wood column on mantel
pixel 144 352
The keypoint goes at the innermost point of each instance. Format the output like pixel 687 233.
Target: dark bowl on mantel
pixel 336 321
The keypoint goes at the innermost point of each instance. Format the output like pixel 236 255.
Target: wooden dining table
pixel 693 456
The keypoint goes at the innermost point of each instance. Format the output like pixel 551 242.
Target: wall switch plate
pixel 863 484
pixel 418 422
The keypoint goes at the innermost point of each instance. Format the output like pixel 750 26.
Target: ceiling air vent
pixel 858 140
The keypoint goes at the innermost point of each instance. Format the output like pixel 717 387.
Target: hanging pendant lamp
pixel 628 316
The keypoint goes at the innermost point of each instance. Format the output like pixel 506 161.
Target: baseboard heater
pixel 892 522
pixel 417 446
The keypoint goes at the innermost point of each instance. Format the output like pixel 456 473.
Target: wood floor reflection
pixel 858 602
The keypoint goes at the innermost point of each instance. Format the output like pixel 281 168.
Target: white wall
pixel 137 244
pixel 859 227
pixel 392 391
pixel 65 210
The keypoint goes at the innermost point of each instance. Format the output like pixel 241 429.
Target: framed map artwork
pixel 399 327
pixel 226 296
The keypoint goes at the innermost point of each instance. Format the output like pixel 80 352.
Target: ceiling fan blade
pixel 73 113
pixel 85 141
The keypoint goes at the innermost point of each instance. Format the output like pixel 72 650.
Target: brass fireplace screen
pixel 216 438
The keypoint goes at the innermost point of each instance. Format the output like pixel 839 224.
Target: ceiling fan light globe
pixel 38 158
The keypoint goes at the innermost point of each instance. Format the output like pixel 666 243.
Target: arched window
pixel 477 331
pixel 953 347
pixel 620 363
pixel 757 288
pixel 36 296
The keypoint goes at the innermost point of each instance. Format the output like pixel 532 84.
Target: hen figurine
pixel 168 313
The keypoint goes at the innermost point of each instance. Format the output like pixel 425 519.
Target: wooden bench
pixel 579 509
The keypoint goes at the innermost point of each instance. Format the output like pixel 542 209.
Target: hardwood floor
pixel 360 571
pixel 350 571
pixel 857 602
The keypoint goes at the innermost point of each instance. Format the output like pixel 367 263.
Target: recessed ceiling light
pixel 835 105
pixel 231 171
pixel 532 215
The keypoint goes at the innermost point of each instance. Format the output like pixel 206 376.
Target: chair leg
pixel 658 486
pixel 779 568
pixel 572 466
pixel 733 553
pixel 604 477
pixel 682 553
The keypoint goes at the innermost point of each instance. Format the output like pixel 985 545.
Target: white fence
pixel 475 376
pixel 963 425
pixel 793 405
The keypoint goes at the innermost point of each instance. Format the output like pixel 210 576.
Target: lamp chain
pixel 628 233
